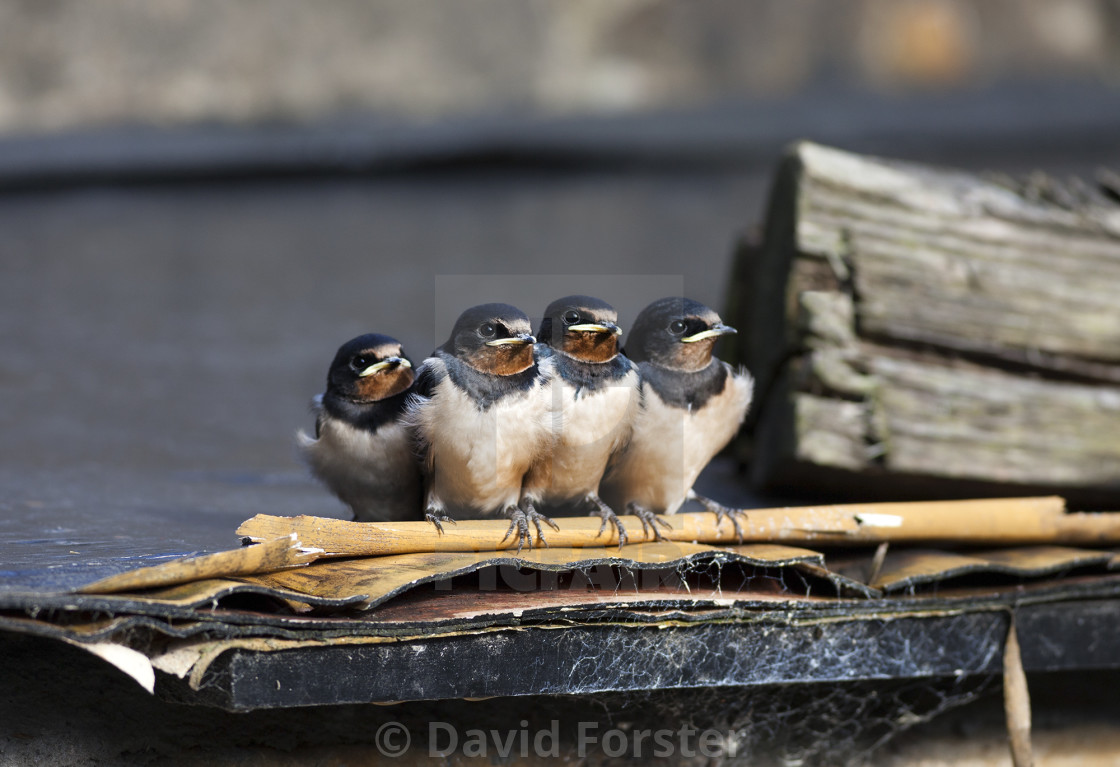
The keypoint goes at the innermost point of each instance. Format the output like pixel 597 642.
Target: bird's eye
pixel 676 327
pixel 487 330
pixel 571 317
pixel 361 362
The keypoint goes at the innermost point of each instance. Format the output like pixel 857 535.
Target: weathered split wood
pixel 908 321
pixel 1011 521
pixel 276 553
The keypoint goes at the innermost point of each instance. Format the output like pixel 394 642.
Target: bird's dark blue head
pixel 493 338
pixel 583 327
pixel 675 333
pixel 369 368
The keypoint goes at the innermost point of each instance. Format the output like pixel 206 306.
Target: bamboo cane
pixel 990 522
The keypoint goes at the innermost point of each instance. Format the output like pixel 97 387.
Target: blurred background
pixel 70 64
pixel 200 200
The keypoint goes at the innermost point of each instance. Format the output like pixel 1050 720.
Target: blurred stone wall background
pixel 77 63
pixel 163 328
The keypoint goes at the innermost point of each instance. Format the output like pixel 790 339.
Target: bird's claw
pixel 520 518
pixel 650 520
pixel 437 518
pixel 724 512
pixel 606 513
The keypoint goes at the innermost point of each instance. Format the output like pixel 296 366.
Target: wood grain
pixel 908 321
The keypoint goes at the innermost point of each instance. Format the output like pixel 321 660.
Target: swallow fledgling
pixel 594 398
pixel 692 405
pixel 362 449
pixel 482 415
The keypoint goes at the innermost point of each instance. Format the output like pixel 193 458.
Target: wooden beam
pixel 907 321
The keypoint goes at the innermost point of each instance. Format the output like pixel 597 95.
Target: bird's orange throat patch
pixel 590 346
pixel 505 360
pixel 695 356
pixel 384 384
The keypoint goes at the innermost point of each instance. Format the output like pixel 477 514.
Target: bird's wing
pixel 428 375
pixel 319 413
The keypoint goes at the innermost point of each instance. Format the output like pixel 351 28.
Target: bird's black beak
pixel 388 362
pixel 597 327
pixel 713 332
pixel 517 340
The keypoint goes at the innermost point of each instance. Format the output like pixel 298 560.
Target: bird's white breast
pixel 589 426
pixel 479 457
pixel 670 446
pixel 376 473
